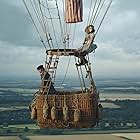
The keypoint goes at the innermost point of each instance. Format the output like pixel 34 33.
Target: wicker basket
pixel 86 103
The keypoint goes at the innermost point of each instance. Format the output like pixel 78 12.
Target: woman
pixel 88 45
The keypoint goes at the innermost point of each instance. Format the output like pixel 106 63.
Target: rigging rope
pixel 65 25
pixel 39 3
pixel 34 24
pixel 70 56
pixel 52 25
pixel 89 11
pixel 36 13
pixel 47 35
pixel 60 22
pixel 93 11
pixel 98 12
pixel 37 6
pixel 79 76
pixel 66 71
pixel 103 16
pixel 83 77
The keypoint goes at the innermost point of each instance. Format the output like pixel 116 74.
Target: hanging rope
pixel 104 16
pixel 52 25
pixel 91 2
pixel 44 24
pixel 66 71
pixel 98 12
pixel 93 11
pixel 65 26
pixel 60 22
pixel 34 24
pixel 70 56
pixel 82 77
pixel 79 76
pixel 36 13
pixel 48 37
pixel 39 3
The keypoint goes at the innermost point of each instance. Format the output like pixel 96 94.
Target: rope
pixel 52 25
pixel 45 30
pixel 83 77
pixel 36 13
pixel 61 28
pixel 96 11
pixel 93 11
pixel 64 24
pixel 66 71
pixel 39 3
pixel 104 16
pixel 89 11
pixel 88 68
pixel 73 35
pixel 99 12
pixel 79 76
pixel 34 24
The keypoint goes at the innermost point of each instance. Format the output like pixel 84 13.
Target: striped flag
pixel 73 11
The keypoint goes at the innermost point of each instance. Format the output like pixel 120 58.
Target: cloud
pixel 20 60
pixel 118 41
pixel 120 28
pixel 16 27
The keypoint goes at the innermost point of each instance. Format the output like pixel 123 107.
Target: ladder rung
pixel 46 80
pixel 52 67
pixel 44 87
pixel 51 71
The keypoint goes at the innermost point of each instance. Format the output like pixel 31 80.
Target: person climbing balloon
pixel 46 77
pixel 87 46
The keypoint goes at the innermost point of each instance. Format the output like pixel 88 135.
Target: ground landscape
pixel 120 99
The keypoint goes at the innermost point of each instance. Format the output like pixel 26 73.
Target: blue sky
pixel 117 55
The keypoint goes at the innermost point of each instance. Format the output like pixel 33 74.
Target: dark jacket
pixel 46 83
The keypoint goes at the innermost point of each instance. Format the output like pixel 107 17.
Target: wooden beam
pixel 61 52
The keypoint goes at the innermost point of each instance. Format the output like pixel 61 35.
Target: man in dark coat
pixel 46 77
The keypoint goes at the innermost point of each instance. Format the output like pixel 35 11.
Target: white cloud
pixel 20 59
pixel 118 42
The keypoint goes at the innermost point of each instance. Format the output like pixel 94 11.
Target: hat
pixel 40 67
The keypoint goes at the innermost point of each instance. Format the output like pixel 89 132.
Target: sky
pixel 118 41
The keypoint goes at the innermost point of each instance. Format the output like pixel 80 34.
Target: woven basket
pixel 86 103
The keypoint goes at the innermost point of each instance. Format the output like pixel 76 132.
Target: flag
pixel 73 11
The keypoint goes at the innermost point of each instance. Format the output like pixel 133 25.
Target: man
pixel 88 45
pixel 46 83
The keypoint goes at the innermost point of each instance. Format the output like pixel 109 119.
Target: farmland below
pixel 120 99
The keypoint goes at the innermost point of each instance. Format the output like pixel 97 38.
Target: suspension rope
pixel 60 22
pixel 64 24
pixel 70 56
pixel 43 20
pixel 73 35
pixel 52 25
pixel 93 11
pixel 91 2
pixel 79 76
pixel 36 13
pixel 82 77
pixel 34 24
pixel 98 12
pixel 66 70
pixel 47 35
pixel 103 16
